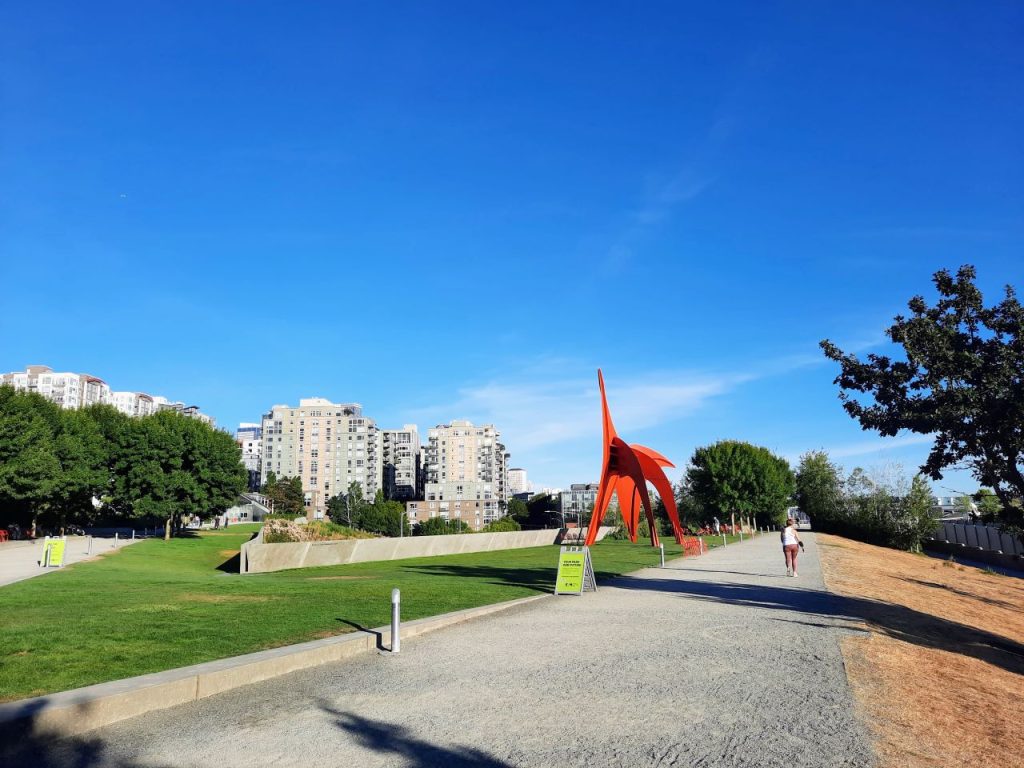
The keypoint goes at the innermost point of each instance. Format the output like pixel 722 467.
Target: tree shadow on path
pixel 391 738
pixel 896 621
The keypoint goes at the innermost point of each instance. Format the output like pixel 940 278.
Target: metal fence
pixel 985 537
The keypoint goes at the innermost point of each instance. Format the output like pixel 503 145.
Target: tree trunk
pixel 167 529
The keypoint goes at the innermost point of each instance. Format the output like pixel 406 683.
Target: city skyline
pixel 459 212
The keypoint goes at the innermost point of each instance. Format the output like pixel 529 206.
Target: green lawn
pixel 157 605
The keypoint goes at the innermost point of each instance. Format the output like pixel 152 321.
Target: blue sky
pixel 461 210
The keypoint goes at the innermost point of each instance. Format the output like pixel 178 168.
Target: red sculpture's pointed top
pixel 606 416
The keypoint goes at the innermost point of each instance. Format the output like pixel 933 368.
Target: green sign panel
pixel 53 552
pixel 575 572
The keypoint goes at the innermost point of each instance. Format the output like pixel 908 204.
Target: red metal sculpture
pixel 626 470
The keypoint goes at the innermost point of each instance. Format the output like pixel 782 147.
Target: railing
pixel 985 537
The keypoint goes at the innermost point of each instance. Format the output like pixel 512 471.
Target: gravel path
pixel 714 661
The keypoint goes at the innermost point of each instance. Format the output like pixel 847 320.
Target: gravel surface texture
pixel 720 660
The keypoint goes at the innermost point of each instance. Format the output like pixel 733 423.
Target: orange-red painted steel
pixel 625 472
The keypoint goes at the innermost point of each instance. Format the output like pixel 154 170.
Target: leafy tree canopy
pixel 735 477
pixel 438 526
pixel 961 382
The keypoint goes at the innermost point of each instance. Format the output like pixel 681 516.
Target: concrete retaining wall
pixel 258 557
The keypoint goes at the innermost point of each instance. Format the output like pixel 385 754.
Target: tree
pixel 962 381
pixel 964 506
pixel 691 512
pixel 732 477
pixel 383 516
pixel 438 526
pixel 170 466
pixel 352 505
pixel 82 455
pixel 287 496
pixel 29 468
pixel 884 511
pixel 543 511
pixel 502 524
pixel 989 506
pixel 819 489
pixel 518 511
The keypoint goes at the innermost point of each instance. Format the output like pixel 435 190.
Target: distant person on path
pixel 791 545
pixel 717 526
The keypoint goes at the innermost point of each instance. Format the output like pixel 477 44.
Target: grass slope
pixel 158 605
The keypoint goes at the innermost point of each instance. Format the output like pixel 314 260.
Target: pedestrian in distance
pixel 791 545
pixel 717 525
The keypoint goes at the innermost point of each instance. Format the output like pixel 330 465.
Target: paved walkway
pixel 20 559
pixel 713 661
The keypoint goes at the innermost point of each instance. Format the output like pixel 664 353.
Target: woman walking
pixel 791 544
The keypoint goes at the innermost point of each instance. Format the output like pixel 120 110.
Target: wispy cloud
pixel 534 410
pixel 878 445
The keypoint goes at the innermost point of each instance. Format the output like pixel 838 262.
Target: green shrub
pixel 502 525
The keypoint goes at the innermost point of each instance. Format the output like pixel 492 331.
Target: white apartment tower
pixel 328 445
pixel 517 482
pixel 400 454
pixel 465 463
pixel 133 403
pixel 68 390
pixel 80 390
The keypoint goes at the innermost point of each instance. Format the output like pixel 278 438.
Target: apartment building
pixel 576 503
pixel 68 390
pixel 80 390
pixel 328 445
pixel 400 454
pixel 133 403
pixel 249 439
pixel 517 482
pixel 190 411
pixel 464 463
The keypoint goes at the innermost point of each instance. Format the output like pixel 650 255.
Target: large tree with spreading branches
pixel 961 382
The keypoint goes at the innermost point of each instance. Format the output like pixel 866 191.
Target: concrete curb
pixel 70 713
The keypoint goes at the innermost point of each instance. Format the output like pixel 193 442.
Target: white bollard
pixel 741 534
pixel 396 605
pixel 662 547
pixel 724 542
pixel 701 539
pixel 89 552
pixel 115 540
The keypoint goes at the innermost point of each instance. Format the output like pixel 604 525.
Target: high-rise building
pixel 191 411
pixel 80 390
pixel 249 439
pixel 517 482
pixel 328 445
pixel 133 403
pixel 400 454
pixel 68 390
pixel 465 463
pixel 576 503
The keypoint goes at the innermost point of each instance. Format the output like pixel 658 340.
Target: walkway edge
pixel 73 712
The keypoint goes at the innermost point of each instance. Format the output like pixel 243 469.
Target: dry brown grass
pixel 201 598
pixel 940 677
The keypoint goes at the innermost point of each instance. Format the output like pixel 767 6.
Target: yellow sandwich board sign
pixel 53 552
pixel 575 572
